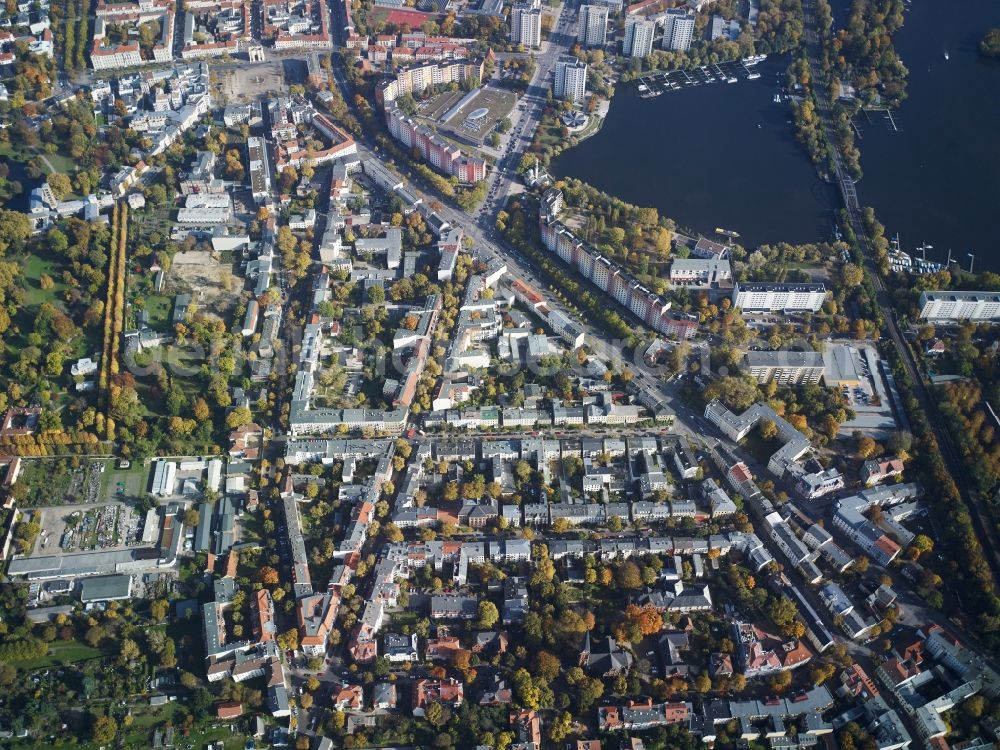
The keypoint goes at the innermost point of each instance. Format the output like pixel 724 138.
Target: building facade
pixel 571 79
pixel 678 30
pixel 526 24
pixel 785 367
pixel 959 305
pixel 639 33
pixel 593 28
pixel 440 154
pixel 752 296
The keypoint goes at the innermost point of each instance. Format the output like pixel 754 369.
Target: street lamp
pixel 971 262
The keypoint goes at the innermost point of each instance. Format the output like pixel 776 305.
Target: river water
pixel 938 180
pixel 724 155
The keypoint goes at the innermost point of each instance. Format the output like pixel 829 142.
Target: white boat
pixel 753 60
pixel 753 76
pixel 946 57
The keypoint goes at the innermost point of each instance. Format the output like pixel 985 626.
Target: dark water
pixel 715 155
pixel 19 173
pixel 699 156
pixel 938 181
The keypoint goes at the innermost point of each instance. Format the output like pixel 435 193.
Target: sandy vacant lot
pixel 212 283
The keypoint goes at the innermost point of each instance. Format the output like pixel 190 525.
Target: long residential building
pixel 786 367
pixel 941 305
pixel 439 153
pixel 414 80
pixel 738 426
pixel 609 277
pixel 701 270
pixel 260 170
pixel 767 296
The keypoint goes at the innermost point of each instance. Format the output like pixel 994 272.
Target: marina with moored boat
pixel 654 84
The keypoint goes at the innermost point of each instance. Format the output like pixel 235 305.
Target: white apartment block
pixel 767 296
pixel 960 305
pixel 786 367
pixel 639 34
pixel 571 79
pixel 526 24
pixel 678 30
pixel 593 28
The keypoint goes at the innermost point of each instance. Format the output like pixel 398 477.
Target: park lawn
pixel 550 134
pixel 155 407
pixel 9 153
pixel 62 652
pixel 60 163
pixel 160 308
pixel 32 269
pixel 33 266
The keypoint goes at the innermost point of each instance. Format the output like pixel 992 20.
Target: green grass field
pixel 33 267
pixel 160 309
pixel 60 163
pixel 133 482
pixel 60 653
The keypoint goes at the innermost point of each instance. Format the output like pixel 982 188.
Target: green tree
pixel 488 614
pixel 238 417
pixel 527 692
pixel 376 295
pixel 435 714
pixel 103 730
pixel 128 650
pixel 628 575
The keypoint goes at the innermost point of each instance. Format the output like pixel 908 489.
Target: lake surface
pixel 724 155
pixel 714 155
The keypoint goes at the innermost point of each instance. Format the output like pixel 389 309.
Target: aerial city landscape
pixel 499 374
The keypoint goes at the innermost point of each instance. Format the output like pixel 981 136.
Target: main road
pixel 528 114
pixel 481 226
